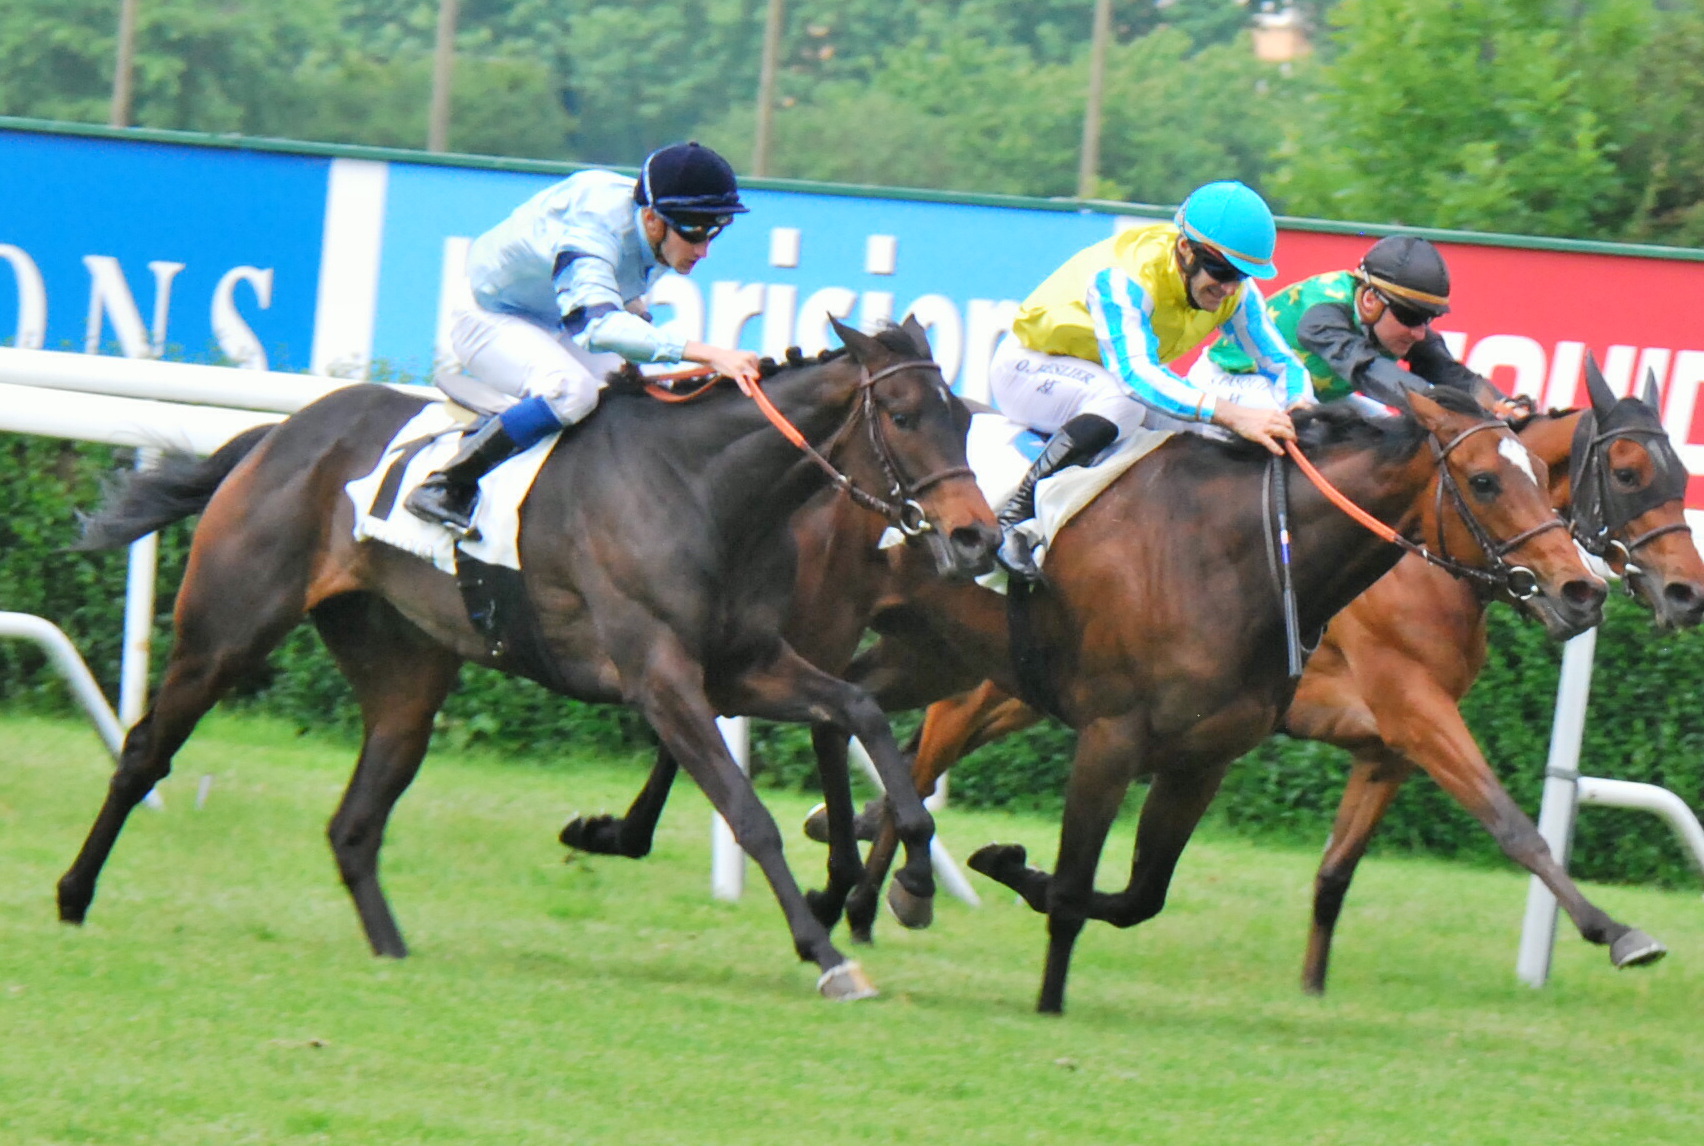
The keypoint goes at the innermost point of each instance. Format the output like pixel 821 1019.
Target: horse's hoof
pixel 846 983
pixel 996 859
pixel 913 911
pixel 816 824
pixel 1635 949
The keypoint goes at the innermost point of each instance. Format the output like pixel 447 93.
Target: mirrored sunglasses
pixel 698 231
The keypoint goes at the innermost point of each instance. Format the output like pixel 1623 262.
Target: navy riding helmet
pixel 689 185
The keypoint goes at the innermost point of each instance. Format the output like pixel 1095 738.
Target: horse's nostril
pixel 1584 594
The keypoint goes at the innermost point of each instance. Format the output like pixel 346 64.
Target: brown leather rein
pixel 1518 580
pixel 901 506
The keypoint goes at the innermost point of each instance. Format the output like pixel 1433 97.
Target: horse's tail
pixel 137 504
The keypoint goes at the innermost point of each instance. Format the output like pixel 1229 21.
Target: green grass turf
pixel 221 991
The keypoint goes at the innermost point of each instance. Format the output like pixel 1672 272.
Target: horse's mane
pixel 1332 425
pixel 627 379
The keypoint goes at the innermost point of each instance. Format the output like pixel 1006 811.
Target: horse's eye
pixel 904 421
pixel 1485 485
pixel 1626 477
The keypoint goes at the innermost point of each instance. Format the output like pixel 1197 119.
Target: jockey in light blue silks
pixel 563 279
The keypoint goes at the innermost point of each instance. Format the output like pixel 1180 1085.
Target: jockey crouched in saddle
pixel 1351 328
pixel 1086 359
pixel 559 285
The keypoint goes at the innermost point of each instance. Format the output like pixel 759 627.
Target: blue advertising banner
pixel 138 247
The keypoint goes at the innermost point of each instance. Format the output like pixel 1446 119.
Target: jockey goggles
pixel 1407 315
pixel 1209 260
pixel 701 228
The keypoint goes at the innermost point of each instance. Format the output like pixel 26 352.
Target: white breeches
pixel 521 356
pixel 1044 391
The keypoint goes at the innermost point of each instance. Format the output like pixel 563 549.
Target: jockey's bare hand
pixel 741 365
pixel 1268 427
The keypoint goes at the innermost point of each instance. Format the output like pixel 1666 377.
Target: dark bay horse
pixel 657 560
pixel 1390 672
pixel 1163 631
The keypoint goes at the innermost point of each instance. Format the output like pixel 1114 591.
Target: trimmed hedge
pixel 1644 721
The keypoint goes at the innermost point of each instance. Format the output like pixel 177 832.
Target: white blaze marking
pixel 1518 457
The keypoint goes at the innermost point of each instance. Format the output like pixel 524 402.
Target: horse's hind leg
pixel 845 869
pixel 630 835
pixel 1373 783
pixel 230 614
pixel 400 677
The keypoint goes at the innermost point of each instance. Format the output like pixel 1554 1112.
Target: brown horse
pixel 1164 638
pixel 658 564
pixel 1390 672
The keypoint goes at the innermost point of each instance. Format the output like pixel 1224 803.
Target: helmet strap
pixel 1188 264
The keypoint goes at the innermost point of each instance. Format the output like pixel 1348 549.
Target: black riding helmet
pixel 1410 272
pixel 689 185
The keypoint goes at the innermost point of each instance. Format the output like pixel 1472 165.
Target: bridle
pixel 1600 513
pixel 1518 581
pixel 900 506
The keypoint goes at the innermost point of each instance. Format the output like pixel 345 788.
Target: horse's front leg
pixel 1427 728
pixel 1176 801
pixel 1101 772
pixel 669 689
pixel 951 730
pixel 790 688
pixel 630 835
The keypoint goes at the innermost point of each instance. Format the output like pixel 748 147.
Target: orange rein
pixel 1336 497
pixel 750 390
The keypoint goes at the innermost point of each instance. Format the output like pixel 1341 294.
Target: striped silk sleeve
pixel 1122 311
pixel 1252 329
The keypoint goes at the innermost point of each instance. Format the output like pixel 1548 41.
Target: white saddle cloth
pixel 1000 452
pixel 497 516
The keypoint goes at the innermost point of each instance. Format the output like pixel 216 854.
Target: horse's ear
pixel 861 346
pixel 1426 411
pixel 1651 395
pixel 1603 398
pixel 919 335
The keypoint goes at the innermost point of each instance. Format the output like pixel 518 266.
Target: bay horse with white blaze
pixel 1387 678
pixel 1163 633
pixel 656 558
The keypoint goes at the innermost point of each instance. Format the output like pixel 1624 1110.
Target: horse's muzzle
pixel 964 553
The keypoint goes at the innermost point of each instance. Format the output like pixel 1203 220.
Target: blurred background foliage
pixel 1569 118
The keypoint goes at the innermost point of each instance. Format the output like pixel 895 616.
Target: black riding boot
pixel 447 496
pixel 1076 442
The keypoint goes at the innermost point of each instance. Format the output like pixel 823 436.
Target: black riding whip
pixel 1292 635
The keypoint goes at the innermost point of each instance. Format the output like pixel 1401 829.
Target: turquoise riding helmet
pixel 1233 220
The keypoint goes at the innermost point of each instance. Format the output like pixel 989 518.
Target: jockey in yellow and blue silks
pixel 559 292
pixel 1087 359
